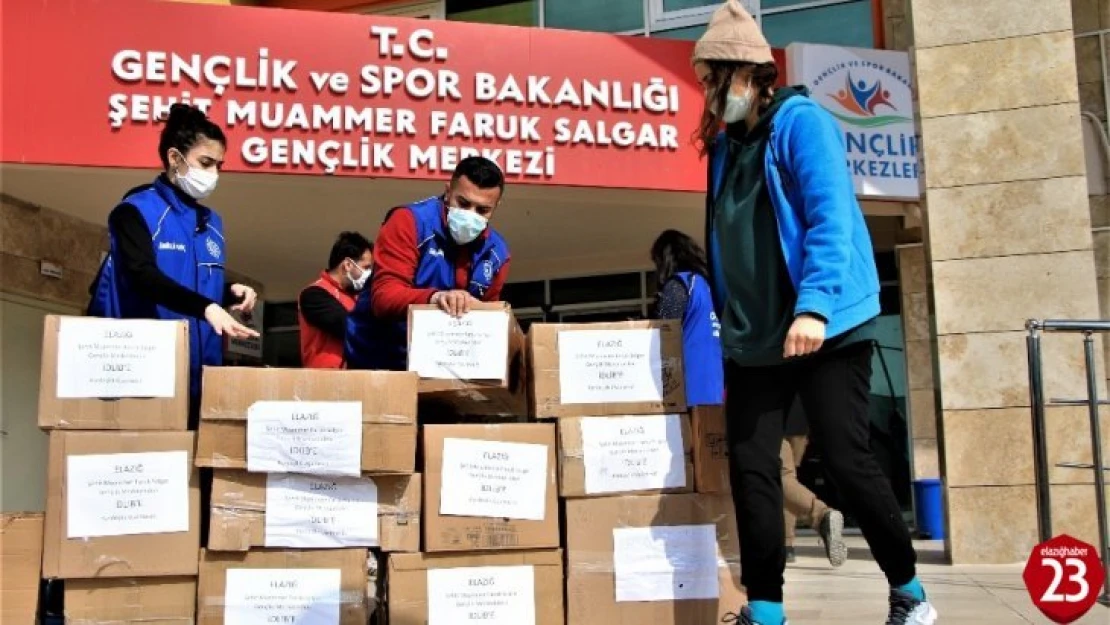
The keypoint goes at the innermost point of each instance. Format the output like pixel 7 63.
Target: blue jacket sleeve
pixel 817 162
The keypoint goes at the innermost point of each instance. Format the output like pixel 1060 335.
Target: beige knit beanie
pixel 733 35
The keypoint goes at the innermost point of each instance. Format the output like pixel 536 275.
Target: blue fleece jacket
pixel 825 242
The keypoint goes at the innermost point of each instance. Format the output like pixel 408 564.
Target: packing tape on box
pixel 161 620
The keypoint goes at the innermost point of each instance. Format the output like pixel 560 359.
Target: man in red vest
pixel 323 305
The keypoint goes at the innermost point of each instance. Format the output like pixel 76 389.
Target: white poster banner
pixel 474 347
pixel 491 595
pixel 314 438
pixel 494 479
pixel 626 454
pixel 660 563
pixel 307 512
pixel 870 93
pixel 610 366
pixel 102 358
pixel 286 596
pixel 127 494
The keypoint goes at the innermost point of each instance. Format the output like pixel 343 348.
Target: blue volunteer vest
pixel 382 344
pixel 189 253
pixel 701 344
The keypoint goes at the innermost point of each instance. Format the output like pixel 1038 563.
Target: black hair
pixel 484 173
pixel 675 251
pixel 185 127
pixel 348 245
pixel 764 78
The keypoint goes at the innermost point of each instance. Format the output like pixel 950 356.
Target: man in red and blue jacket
pixel 436 251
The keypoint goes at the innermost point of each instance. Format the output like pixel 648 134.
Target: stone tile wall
pixel 1007 228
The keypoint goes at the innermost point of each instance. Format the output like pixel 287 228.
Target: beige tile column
pixel 1007 238
pixel 917 332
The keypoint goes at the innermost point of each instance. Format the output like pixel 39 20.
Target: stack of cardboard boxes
pixel 641 545
pixel 491 516
pixel 311 469
pixel 540 480
pixel 122 525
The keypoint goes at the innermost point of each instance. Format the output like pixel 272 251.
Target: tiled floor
pixel 855 594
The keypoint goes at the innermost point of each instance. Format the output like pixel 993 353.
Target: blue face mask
pixel 465 225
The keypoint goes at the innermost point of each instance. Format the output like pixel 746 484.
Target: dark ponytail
pixel 185 127
pixel 674 252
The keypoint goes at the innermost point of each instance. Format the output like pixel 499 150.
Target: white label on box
pixel 125 494
pixel 665 563
pixel 474 347
pixel 494 479
pixel 488 595
pixel 308 512
pixel 627 454
pixel 286 596
pixel 610 366
pixel 105 358
pixel 311 437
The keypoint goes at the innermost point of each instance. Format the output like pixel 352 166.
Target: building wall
pixel 1007 238
pixel 1092 16
pixel 31 234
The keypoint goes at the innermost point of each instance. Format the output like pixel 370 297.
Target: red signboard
pixel 299 92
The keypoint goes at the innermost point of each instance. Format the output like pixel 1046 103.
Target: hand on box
pixel 455 303
pixel 226 325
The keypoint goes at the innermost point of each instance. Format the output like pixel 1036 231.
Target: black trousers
pixel 834 388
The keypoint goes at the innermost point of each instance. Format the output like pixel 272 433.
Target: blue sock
pixel 767 612
pixel 914 589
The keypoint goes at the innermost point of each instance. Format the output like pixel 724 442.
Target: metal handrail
pixel 1088 328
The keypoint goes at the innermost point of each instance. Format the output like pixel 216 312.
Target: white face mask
pixel 465 225
pixel 197 183
pixel 737 107
pixel 359 283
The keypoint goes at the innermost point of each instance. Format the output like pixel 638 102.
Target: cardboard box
pixel 711 472
pixel 474 580
pixel 598 369
pixel 458 350
pixel 239 501
pixel 136 601
pixel 605 456
pixel 618 546
pixel 20 566
pixel 388 405
pixel 116 484
pixel 279 581
pixel 502 469
pixel 90 398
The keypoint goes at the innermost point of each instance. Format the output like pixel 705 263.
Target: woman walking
pixel 793 270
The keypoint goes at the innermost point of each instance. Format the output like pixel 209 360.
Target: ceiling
pixel 281 227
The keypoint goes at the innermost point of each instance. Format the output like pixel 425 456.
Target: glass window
pixel 280 315
pixel 625 286
pixel 610 16
pixel 524 294
pixel 282 349
pixel 846 24
pixel 690 32
pixel 511 13
pixel 681 5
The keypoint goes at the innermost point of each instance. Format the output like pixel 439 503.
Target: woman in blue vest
pixel 167 250
pixel 792 266
pixel 683 293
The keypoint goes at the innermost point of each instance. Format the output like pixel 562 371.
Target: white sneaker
pixel 905 609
